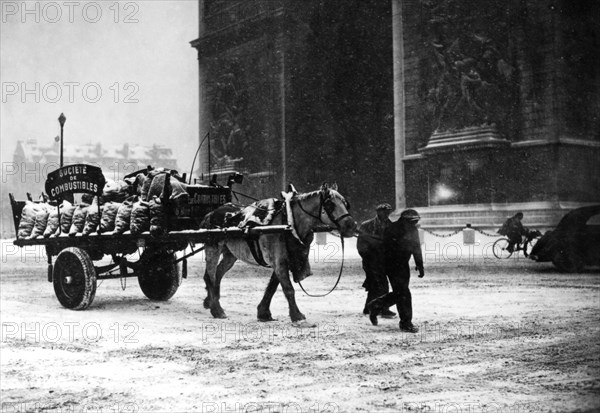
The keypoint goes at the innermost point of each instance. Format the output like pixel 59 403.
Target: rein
pixel 335 221
pixel 337 281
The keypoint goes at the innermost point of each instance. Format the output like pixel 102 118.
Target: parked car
pixel 574 244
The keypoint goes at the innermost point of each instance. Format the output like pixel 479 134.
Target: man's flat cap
pixel 410 214
pixel 384 206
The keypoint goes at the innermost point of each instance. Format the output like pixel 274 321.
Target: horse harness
pixel 325 204
pixel 254 247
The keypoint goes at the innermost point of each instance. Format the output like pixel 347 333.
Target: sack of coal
pixel 123 219
pixel 140 217
pixel 67 210
pixel 109 215
pixel 41 220
pixel 78 221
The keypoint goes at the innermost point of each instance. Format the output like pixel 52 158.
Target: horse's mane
pixel 306 195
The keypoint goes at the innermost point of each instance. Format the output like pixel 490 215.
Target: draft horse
pixel 324 206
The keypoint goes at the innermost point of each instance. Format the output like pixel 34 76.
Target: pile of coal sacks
pixel 133 206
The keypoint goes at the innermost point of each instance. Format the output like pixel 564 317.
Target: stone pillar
pixel 204 102
pixel 399 101
pixel 282 93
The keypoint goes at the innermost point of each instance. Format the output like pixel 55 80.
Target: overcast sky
pixel 120 71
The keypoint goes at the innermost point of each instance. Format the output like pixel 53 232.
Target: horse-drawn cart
pixel 163 254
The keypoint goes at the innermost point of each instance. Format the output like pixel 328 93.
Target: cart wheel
pixel 74 279
pixel 499 248
pixel 160 277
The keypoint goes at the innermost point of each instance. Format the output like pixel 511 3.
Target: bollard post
pixel 468 235
pixel 321 238
pixel 50 268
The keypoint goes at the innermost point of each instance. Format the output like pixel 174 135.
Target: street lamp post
pixel 61 119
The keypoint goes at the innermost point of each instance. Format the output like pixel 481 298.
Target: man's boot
pixel 388 314
pixel 381 304
pixel 374 308
pixel 408 327
pixel 370 297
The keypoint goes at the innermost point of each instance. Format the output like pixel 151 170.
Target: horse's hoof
pixel 303 324
pixel 206 304
pixel 265 316
pixel 219 314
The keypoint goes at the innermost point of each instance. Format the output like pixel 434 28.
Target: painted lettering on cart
pixel 75 179
pixel 70 171
pixel 208 199
pixel 75 186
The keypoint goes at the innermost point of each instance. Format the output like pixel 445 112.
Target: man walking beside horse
pixel 370 248
pixel 401 241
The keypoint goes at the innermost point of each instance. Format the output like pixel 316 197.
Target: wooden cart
pixel 162 261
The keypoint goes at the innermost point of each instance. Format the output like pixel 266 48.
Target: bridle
pixel 327 205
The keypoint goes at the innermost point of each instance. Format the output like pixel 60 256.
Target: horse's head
pixel 335 210
pixel 326 206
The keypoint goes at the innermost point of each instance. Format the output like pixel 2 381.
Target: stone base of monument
pixel 475 137
pixel 537 215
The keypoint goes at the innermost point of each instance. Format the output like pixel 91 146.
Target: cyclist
pixel 514 230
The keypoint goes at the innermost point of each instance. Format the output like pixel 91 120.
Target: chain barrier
pixel 442 235
pixel 489 234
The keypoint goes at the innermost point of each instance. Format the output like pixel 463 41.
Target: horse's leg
pixel 213 252
pixel 224 265
pixel 264 313
pixel 209 287
pixel 288 289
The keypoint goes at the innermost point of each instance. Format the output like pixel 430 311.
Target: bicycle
pixel 500 247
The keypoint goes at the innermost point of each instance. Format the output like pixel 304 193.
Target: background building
pixel 467 110
pixel 295 95
pixel 32 161
pixel 116 161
